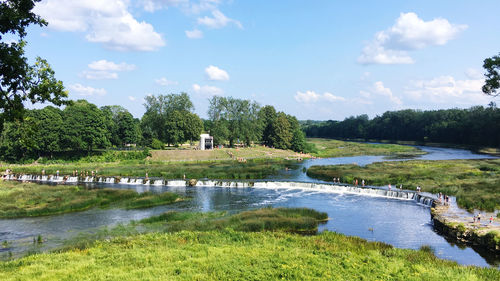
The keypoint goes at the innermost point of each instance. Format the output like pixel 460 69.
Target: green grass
pixel 298 220
pixel 255 152
pixel 252 169
pixel 233 255
pixel 337 148
pixel 29 199
pixel 475 183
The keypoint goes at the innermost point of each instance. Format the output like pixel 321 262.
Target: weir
pixel 337 188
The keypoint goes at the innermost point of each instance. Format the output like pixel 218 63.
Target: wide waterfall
pixel 325 187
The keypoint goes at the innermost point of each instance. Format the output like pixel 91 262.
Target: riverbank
pixel 494 151
pixel 250 169
pixel 475 183
pixel 221 253
pixel 465 229
pixel 19 199
pixel 337 148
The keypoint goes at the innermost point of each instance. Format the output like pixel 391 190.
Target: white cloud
pixel 218 20
pixel 380 89
pixel 165 82
pixel 86 91
pixel 311 97
pixel 190 7
pixel 104 65
pixel 207 90
pixel 473 73
pixel 99 75
pixel 202 5
pixel 194 34
pixel 131 98
pixel 107 22
pixel 408 33
pixel 215 73
pixel 448 90
pixel 332 98
pixel 103 69
pixel 153 5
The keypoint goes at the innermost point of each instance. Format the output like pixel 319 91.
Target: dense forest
pixel 474 126
pixel 82 128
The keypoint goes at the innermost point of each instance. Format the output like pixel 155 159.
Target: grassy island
pixel 337 148
pixel 30 199
pixel 475 183
pixel 230 247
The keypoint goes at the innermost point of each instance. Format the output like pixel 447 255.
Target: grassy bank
pixel 256 152
pixel 226 249
pixel 29 199
pixel 337 148
pixel 251 169
pixel 475 183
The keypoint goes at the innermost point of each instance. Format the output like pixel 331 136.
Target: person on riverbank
pixel 418 188
pixel 491 219
pixel 389 187
pixel 356 183
pixel 363 183
pixel 479 218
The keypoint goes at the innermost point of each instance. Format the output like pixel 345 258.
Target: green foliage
pixel 20 81
pixel 157 144
pixel 474 126
pixel 18 140
pixel 492 82
pixel 281 132
pixel 84 127
pixel 120 124
pixel 30 199
pixel 162 114
pixel 234 120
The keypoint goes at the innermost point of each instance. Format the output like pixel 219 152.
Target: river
pixel 401 223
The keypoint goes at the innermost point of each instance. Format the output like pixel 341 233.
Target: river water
pixel 401 223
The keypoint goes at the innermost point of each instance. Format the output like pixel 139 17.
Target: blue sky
pixel 313 59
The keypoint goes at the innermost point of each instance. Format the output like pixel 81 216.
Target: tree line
pixel 474 126
pixel 82 127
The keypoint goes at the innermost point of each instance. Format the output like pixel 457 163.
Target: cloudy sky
pixel 314 59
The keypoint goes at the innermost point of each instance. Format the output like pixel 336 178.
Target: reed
pixel 30 199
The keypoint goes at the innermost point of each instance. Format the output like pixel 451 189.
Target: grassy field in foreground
pixel 337 148
pixel 30 199
pixel 252 169
pixel 475 183
pixel 233 255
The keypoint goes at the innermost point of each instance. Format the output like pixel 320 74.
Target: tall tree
pixel 121 126
pixel 49 124
pixel 19 81
pixel 18 141
pixel 193 126
pixel 158 109
pixel 84 126
pixel 492 82
pixel 282 134
pixel 267 114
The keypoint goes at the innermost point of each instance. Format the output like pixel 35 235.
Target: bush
pixel 157 144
